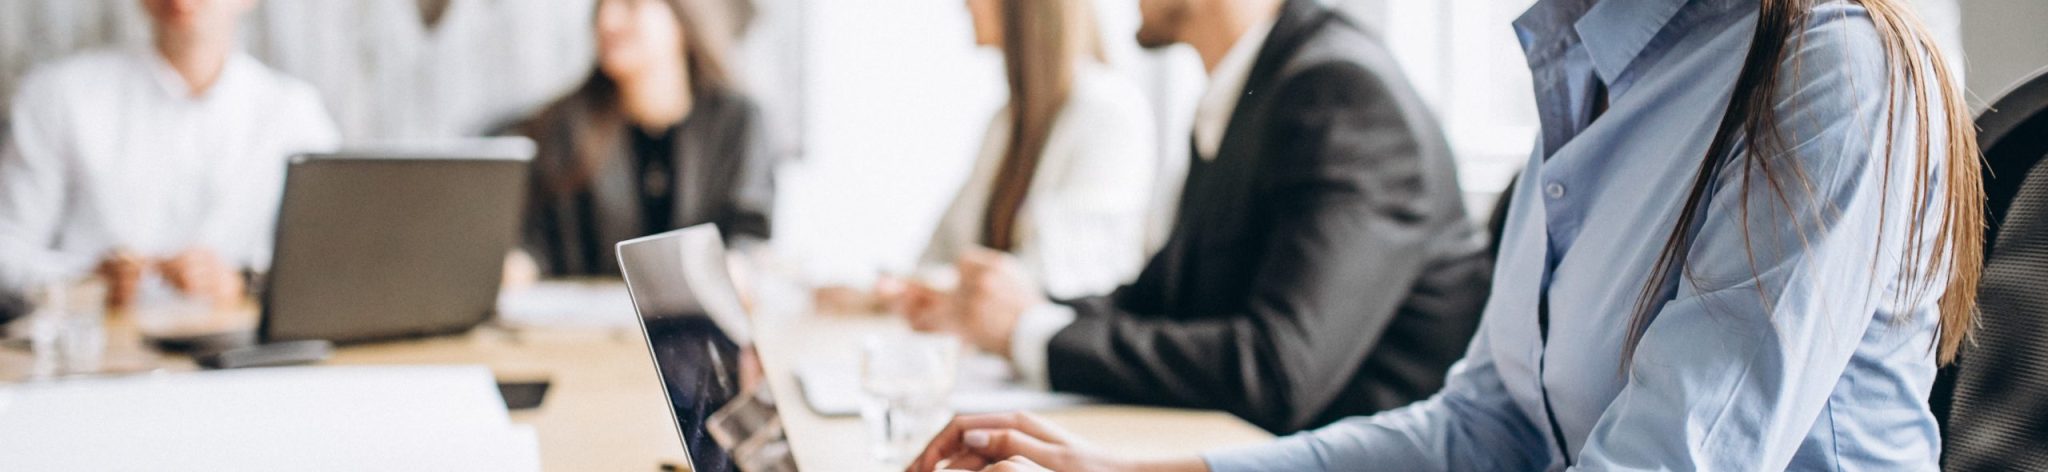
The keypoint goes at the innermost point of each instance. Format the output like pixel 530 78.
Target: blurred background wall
pixel 2005 41
pixel 880 104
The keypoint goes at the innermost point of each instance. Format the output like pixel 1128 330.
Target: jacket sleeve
pixel 1343 179
pixel 752 202
pixel 539 228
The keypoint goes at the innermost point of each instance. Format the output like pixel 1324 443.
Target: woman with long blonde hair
pixel 1749 233
pixel 1064 175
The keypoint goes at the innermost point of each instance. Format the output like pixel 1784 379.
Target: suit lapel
pixel 1298 18
pixel 1217 187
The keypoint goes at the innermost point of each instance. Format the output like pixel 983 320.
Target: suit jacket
pixel 721 175
pixel 1322 264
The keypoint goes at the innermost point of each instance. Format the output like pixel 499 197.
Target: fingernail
pixel 977 439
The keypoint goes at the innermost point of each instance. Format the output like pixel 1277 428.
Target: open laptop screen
pixel 698 336
pixel 699 366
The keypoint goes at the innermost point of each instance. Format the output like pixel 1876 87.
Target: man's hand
pixel 199 272
pixel 521 271
pixel 928 309
pixel 994 292
pixel 122 269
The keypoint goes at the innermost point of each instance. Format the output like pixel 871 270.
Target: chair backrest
pixel 1997 417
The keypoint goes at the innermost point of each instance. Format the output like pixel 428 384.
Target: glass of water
pixel 67 330
pixel 907 379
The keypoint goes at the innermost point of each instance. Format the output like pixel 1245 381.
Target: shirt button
pixel 1554 190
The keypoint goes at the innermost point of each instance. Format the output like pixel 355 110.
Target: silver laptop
pixel 395 241
pixel 698 335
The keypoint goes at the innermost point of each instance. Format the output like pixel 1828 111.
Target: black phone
pixel 267 355
pixel 523 395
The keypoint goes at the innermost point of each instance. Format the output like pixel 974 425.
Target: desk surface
pixel 830 443
pixel 605 409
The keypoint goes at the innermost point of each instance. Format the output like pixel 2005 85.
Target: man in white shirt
pixel 422 70
pixel 167 161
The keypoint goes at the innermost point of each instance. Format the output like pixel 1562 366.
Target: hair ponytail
pixel 1915 63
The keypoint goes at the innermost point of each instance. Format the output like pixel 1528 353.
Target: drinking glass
pixel 67 330
pixel 907 379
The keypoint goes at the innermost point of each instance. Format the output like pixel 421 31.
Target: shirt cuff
pixel 1032 337
pixel 1288 453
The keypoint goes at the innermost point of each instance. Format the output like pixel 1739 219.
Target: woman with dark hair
pixel 1749 233
pixel 658 138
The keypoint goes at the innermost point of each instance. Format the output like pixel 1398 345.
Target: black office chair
pixel 1997 417
pixel 11 306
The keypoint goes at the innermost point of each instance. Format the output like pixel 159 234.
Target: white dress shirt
pixel 1226 85
pixel 112 150
pixel 1037 326
pixel 1081 230
pixel 389 76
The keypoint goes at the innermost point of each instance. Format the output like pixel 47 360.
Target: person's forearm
pixel 1184 464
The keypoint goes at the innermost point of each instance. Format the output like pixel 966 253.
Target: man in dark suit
pixel 1321 264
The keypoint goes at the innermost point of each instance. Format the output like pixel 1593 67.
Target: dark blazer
pixel 1321 266
pixel 721 175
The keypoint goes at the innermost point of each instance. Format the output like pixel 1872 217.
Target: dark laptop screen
pixel 699 367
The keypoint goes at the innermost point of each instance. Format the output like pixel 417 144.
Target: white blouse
pixel 1081 230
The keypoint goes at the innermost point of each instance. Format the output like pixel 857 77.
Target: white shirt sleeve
pixel 32 188
pixel 1028 343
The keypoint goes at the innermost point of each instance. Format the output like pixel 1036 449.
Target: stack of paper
pixel 319 418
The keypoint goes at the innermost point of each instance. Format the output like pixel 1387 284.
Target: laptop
pixel 394 242
pixel 699 337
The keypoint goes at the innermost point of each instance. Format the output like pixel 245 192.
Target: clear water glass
pixel 907 379
pixel 67 330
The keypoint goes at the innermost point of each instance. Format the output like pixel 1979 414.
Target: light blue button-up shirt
pixel 1789 348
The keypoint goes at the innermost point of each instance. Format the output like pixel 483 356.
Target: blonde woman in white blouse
pixel 1064 180
pixel 1065 173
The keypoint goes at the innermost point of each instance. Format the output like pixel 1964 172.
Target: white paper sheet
pixel 568 304
pixel 319 418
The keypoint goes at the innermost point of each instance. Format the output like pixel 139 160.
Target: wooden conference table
pixel 605 410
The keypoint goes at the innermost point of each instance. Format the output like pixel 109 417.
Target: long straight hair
pixel 603 123
pixel 1915 66
pixel 1042 41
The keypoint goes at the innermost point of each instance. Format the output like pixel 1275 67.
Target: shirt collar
pixel 1614 32
pixel 1238 62
pixel 233 71
pixel 1226 84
